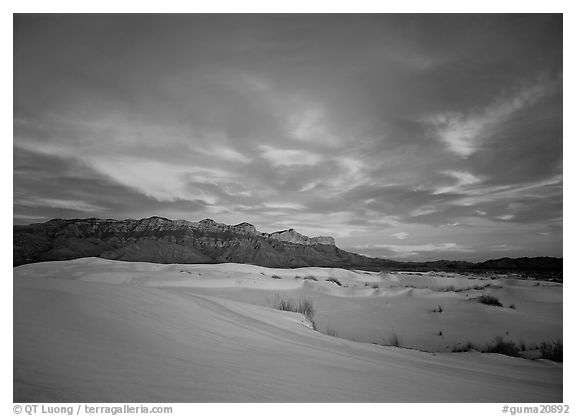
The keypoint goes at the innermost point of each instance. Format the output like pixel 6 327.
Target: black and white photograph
pixel 287 208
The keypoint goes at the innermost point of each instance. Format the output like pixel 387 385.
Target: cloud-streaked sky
pixel 403 136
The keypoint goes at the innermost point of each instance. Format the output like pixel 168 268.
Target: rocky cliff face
pixel 291 236
pixel 162 240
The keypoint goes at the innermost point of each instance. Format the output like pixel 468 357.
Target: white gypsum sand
pixel 99 330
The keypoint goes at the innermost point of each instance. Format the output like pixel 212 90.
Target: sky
pixel 412 137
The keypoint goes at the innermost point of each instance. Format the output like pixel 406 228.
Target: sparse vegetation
pixel 489 300
pixel 334 280
pixel 393 339
pixel 499 346
pixel 549 351
pixel 552 351
pixel 305 306
pixel 331 332
pixel 468 346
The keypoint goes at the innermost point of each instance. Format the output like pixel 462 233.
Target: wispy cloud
pixel 463 180
pixel 289 157
pixel 75 205
pixel 464 133
pixel 400 235
pixel 310 125
pixel 284 205
pixel 162 181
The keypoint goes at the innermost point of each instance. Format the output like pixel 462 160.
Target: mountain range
pixel 160 240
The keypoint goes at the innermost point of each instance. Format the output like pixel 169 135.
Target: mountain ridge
pixel 161 240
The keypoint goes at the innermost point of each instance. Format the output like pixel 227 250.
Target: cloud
pixel 224 153
pixel 423 210
pixel 74 205
pixel 284 205
pixel 310 126
pixel 463 180
pixel 463 134
pixel 412 250
pixel 289 157
pixel 400 235
pixel 162 181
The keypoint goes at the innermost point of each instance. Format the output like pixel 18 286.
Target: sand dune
pixel 99 330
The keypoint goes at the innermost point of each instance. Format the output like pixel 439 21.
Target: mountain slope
pixel 160 240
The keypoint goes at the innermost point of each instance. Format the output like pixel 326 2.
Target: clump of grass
pixel 310 278
pixel 522 346
pixel 394 340
pixel 275 276
pixel 305 306
pixel 489 300
pixel 468 346
pixel 334 280
pixel 552 351
pixel 499 346
pixel 331 332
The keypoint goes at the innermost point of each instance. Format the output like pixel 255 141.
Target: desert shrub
pixel 334 280
pixel 310 278
pixel 552 351
pixel 489 300
pixel 499 346
pixel 275 276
